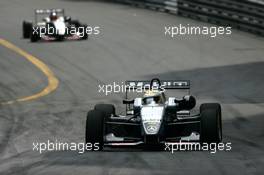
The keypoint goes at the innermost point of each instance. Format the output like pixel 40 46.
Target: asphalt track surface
pixel 132 45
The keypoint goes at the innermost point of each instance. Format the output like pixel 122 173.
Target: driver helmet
pixel 53 16
pixel 152 97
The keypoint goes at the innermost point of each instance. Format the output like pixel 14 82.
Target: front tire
pixel 95 129
pixel 107 109
pixel 211 123
pixel 34 35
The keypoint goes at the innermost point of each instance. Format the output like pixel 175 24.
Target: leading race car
pixel 154 119
pixel 52 24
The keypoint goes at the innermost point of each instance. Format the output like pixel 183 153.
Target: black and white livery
pixel 154 119
pixel 52 24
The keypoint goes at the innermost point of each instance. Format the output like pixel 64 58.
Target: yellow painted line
pixel 53 82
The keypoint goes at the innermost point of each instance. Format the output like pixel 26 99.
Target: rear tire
pixel 107 109
pixel 60 37
pixel 76 23
pixel 95 129
pixel 211 123
pixel 26 29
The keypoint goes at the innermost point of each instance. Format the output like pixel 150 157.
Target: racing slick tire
pixel 34 36
pixel 60 37
pixel 95 129
pixel 85 35
pixel 26 29
pixel 107 109
pixel 76 23
pixel 211 123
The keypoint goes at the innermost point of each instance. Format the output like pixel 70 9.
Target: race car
pixel 52 24
pixel 154 119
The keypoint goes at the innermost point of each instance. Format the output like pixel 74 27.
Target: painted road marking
pixel 53 82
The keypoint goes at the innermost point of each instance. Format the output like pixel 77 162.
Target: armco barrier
pixel 241 14
pixel 246 15
pixel 151 4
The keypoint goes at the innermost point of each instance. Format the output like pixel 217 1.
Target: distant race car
pixel 154 119
pixel 52 24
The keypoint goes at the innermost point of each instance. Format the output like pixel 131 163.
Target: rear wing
pixel 47 11
pixel 166 84
pixel 134 85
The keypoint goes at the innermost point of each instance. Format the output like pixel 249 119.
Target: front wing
pixel 122 132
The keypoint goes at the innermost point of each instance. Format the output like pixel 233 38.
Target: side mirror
pixel 188 102
pixel 127 101
pixel 67 18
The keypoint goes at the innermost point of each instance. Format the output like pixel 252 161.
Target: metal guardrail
pixel 246 15
pixel 243 15
pixel 150 4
